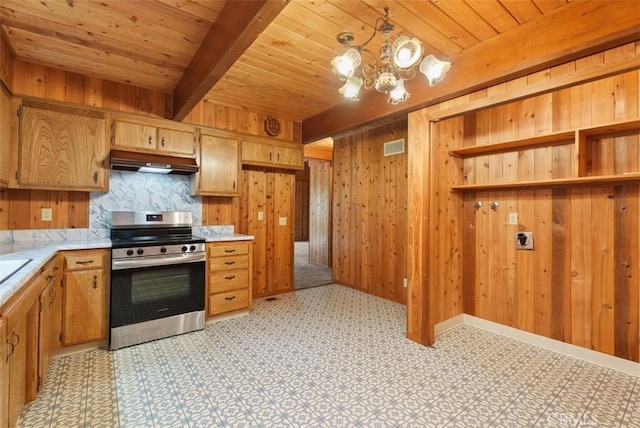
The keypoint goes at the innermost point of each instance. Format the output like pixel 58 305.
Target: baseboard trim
pixel 604 360
pixel 83 347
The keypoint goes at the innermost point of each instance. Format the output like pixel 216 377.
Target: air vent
pixel 394 147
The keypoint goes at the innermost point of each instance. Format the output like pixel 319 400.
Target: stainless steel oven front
pixel 156 292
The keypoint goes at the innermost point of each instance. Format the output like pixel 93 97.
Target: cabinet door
pixel 61 150
pixel 285 156
pixel 5 136
pixel 219 166
pixel 85 313
pixel 45 333
pixel 176 142
pixel 257 153
pixel 134 135
pixel 17 370
pixel 4 376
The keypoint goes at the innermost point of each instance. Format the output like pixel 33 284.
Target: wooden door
pixel 257 153
pixel 45 333
pixel 176 142
pixel 320 182
pixel 134 135
pixel 219 166
pixel 17 370
pixel 288 157
pixel 5 136
pixel 85 306
pixel 62 150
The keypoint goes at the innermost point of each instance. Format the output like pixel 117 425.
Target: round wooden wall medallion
pixel 272 126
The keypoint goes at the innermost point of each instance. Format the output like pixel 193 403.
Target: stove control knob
pixel 184 248
pixel 140 251
pixel 163 250
pixel 193 248
pixel 129 252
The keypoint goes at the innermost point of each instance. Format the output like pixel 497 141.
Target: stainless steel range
pixel 157 276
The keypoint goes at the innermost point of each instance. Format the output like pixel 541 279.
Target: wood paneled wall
pixel 370 212
pixel 581 283
pixel 320 191
pixel 20 209
pixel 302 204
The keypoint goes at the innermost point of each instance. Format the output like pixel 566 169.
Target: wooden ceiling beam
pixel 564 34
pixel 236 28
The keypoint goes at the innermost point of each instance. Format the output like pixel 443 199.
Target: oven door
pixel 145 293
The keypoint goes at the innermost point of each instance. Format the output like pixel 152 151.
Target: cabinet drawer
pixel 229 280
pixel 85 260
pixel 228 249
pixel 229 263
pixel 230 301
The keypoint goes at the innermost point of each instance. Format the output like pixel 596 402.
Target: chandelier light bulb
pixel 351 89
pixel 399 94
pixel 434 69
pixel 406 52
pixel 386 82
pixel 344 66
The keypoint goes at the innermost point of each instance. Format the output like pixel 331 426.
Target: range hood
pixel 147 162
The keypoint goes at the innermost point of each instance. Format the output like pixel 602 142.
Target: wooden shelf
pixel 556 138
pixel 601 180
pixel 612 129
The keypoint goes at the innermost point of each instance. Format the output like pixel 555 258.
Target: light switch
pixel 260 215
pixel 282 221
pixel 45 214
pixel 513 218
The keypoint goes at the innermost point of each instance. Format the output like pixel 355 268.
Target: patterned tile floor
pixel 331 356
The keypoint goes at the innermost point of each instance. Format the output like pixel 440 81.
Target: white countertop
pixel 40 252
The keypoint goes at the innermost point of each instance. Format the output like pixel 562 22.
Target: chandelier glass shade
pixel 387 72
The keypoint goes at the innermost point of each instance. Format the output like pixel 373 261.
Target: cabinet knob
pixel 230 250
pixel 230 298
pixel 95 282
pixel 84 262
pixel 230 263
pixel 229 277
pixel 162 141
pixel 150 139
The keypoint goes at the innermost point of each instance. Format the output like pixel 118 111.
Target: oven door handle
pixel 152 261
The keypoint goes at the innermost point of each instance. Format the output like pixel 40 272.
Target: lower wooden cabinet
pixel 19 367
pixel 85 311
pixel 228 276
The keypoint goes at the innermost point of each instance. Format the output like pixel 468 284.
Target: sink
pixel 9 267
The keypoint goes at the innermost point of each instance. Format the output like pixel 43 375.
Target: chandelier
pixel 396 63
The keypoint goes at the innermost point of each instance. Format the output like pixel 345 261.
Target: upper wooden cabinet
pixel 277 155
pixel 149 135
pixel 5 136
pixel 219 160
pixel 58 147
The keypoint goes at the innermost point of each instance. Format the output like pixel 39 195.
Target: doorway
pixel 312 252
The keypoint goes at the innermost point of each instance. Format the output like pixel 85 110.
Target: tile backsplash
pixel 128 191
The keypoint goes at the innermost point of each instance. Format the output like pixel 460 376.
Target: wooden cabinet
pixel 59 147
pixel 4 375
pixel 85 305
pixel 50 320
pixel 219 160
pixel 283 155
pixel 228 277
pixel 5 136
pixel 584 142
pixel 153 136
pixel 20 365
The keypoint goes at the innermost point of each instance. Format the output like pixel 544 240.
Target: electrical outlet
pixel 260 215
pixel 46 214
pixel 513 218
pixel 282 221
pixel 524 241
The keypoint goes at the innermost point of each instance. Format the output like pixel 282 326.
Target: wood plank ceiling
pixel 285 69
